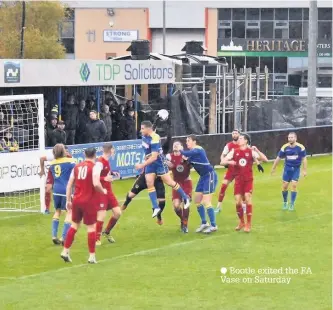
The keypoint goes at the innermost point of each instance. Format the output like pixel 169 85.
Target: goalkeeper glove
pixel 260 168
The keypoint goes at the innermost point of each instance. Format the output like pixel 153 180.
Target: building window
pixel 224 33
pixel 238 14
pixel 67 31
pixel 267 14
pixel 252 62
pixel 280 64
pixel 281 14
pixel 305 30
pixel 325 30
pixel 252 33
pixel 266 61
pixel 224 14
pixel 295 30
pixel 281 34
pixel 69 45
pixel 266 30
pixel 295 14
pixel 252 14
pixel 305 14
pixel 238 30
pixel 238 62
pixel 325 14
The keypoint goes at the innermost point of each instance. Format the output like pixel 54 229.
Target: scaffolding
pixel 234 90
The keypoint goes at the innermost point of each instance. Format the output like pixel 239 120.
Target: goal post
pixel 22 142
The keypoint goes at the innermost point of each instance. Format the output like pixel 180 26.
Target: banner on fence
pixel 127 154
pixel 19 171
pixel 67 72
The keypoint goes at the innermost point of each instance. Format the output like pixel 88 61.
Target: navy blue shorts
pixel 291 174
pixel 158 167
pixel 207 183
pixel 59 202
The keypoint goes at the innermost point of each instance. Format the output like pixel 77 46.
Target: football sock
pixel 55 226
pixel 92 241
pixel 180 191
pixel 240 213
pixel 65 230
pixel 99 228
pixel 202 213
pixel 153 197
pixel 222 192
pixel 127 201
pixel 285 196
pixel 47 201
pixel 186 214
pixel 112 222
pixel 161 205
pixel 211 215
pixel 179 212
pixel 249 213
pixel 293 196
pixel 70 237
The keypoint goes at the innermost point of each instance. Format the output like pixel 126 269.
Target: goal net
pixel 22 142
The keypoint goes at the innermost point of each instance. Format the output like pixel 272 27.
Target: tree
pixel 41 36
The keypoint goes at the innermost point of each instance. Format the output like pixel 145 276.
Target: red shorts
pixel 243 186
pixel 49 178
pixel 85 211
pixel 230 175
pixel 186 186
pixel 107 202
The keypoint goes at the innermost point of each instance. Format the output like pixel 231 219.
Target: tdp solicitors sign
pixel 271 47
pixel 83 73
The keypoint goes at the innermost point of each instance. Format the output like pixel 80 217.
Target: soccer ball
pixel 163 114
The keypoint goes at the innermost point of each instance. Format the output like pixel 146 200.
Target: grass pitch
pixel 153 267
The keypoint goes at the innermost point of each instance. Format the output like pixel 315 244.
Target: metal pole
pixel 59 103
pixel 98 100
pixel 266 83
pixel 203 93
pixel 312 56
pixel 246 81
pixel 164 26
pixel 224 96
pixel 257 83
pixel 135 95
pixel 235 103
pixel 22 30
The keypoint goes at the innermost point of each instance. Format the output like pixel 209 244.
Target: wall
pixel 317 140
pixel 175 39
pixel 90 24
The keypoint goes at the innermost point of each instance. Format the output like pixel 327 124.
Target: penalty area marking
pixel 149 251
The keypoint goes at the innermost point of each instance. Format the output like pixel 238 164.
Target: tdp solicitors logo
pixel 12 72
pixel 84 72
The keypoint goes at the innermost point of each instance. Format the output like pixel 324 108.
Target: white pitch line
pixel 149 251
pixel 14 216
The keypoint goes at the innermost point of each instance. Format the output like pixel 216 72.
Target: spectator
pixel 106 118
pixel 9 143
pixel 83 120
pixel 47 109
pixel 130 125
pixel 121 123
pixel 71 113
pixel 113 111
pixel 129 106
pixel 91 103
pixel 59 135
pixel 96 130
pixel 49 130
